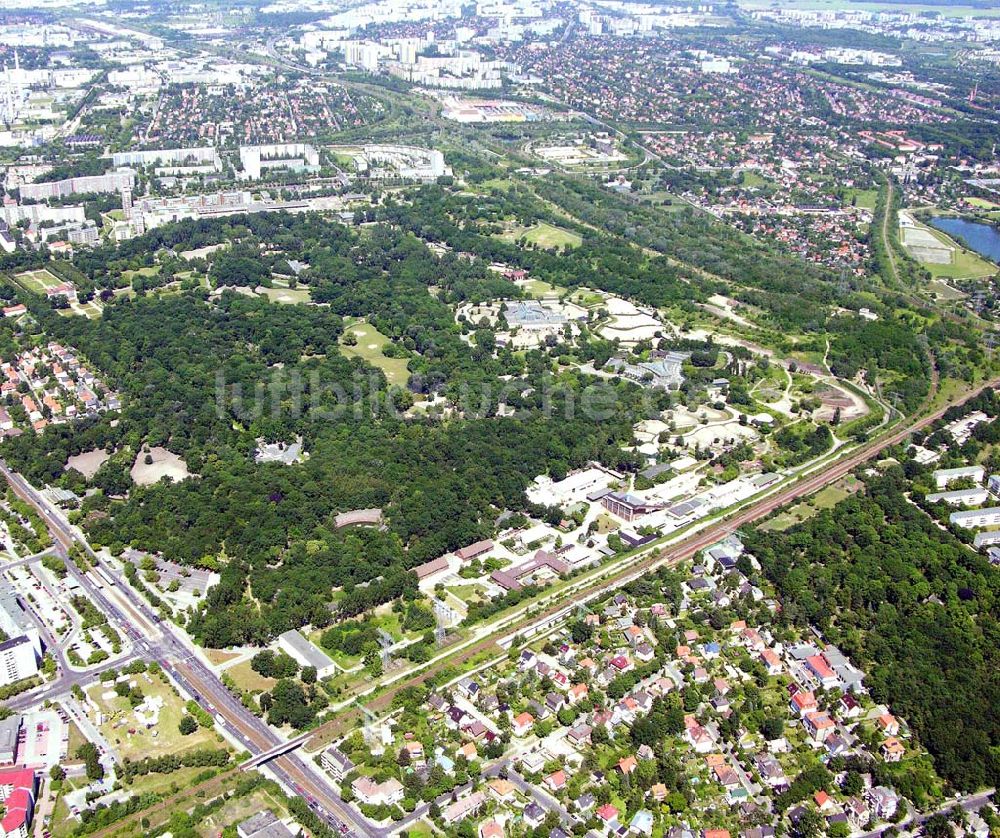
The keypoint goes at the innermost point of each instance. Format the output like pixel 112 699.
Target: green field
pixel 982 203
pixel 826 498
pixel 865 197
pixel 163 738
pixel 537 288
pixel 289 296
pixel 943 291
pixel 37 281
pixel 752 179
pixel 246 679
pixel 587 298
pixel 545 235
pixel 369 348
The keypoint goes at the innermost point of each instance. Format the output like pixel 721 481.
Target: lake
pixel 982 238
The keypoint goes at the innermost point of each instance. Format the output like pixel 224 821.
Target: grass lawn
pixel 966 265
pixel 247 679
pixel 420 829
pixel 119 719
pixel 502 184
pixel 829 497
pixel 538 289
pixel 89 310
pixel 369 348
pixel 151 270
pixel 982 203
pixel 865 197
pixel 76 739
pixel 389 622
pixel 37 281
pixel 826 498
pixel 287 295
pixel 788 518
pixel 63 823
pixel 752 179
pixel 606 524
pixel 166 784
pixel 943 291
pixel 587 298
pixel 545 235
pixel 467 593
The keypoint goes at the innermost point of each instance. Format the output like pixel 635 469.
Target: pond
pixel 977 236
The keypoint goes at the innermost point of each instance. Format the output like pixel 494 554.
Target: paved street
pixel 140 625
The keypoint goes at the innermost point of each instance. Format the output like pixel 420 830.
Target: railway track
pixel 676 553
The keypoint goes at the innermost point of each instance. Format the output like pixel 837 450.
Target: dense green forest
pixel 913 606
pixel 206 376
pixel 701 257
pixel 190 368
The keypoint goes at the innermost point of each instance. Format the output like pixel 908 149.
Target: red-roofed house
pixel 522 723
pixel 467 554
pixel 888 723
pixel 17 793
pixel 609 814
pixel 818 666
pixel 819 725
pixel 622 663
pixel 803 702
pixel 491 829
pixel 556 780
pixel 771 660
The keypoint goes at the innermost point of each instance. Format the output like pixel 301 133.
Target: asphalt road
pixel 156 641
pixel 972 803
pixel 195 678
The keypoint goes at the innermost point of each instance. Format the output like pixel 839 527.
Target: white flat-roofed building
pixel 15 621
pixel 110 182
pixel 200 156
pixel 974 518
pixel 944 476
pixel 307 654
pixel 573 488
pixel 961 497
pixel 961 429
pixel 298 157
pixel 985 539
pixel 17 660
